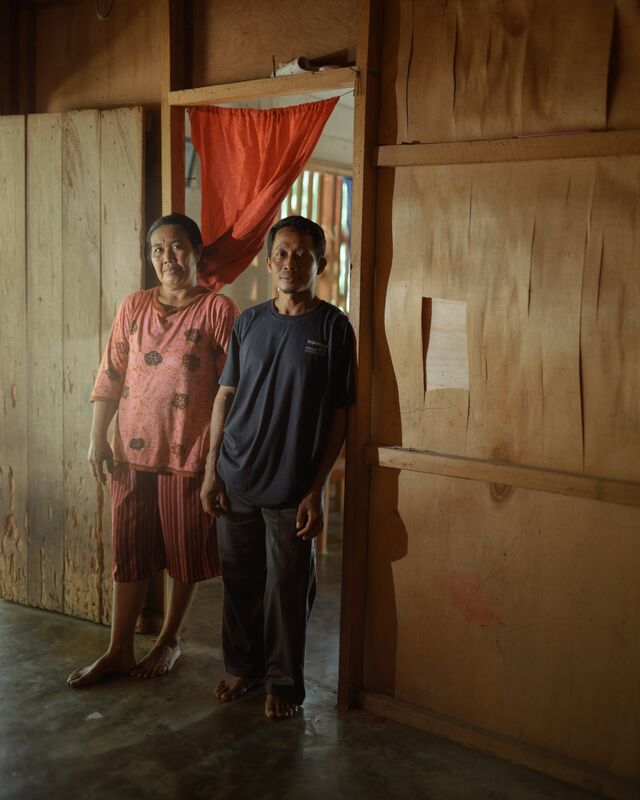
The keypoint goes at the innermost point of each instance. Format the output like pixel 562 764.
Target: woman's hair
pixel 186 223
pixel 302 225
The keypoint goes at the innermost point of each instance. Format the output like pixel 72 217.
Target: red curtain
pixel 250 159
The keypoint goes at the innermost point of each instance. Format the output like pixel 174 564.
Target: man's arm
pixel 99 447
pixel 213 493
pixel 309 518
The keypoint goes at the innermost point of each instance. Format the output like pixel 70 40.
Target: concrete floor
pixel 168 738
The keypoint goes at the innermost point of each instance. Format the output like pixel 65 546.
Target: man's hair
pixel 302 225
pixel 186 223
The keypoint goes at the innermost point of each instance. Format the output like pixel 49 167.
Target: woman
pixel 160 371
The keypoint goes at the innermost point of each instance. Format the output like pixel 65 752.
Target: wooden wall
pixel 230 46
pixel 500 611
pixel 74 183
pixel 82 62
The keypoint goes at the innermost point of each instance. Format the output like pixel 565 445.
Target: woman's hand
pixel 213 493
pixel 310 519
pixel 100 452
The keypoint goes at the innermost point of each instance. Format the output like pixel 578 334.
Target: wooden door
pixel 73 248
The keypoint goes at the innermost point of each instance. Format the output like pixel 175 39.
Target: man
pixel 277 427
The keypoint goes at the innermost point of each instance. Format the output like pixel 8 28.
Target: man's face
pixel 293 264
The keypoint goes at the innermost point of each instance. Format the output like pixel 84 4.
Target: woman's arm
pixel 99 448
pixel 213 493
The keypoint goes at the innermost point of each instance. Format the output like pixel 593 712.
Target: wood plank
pixel 523 608
pixel 172 119
pixel 534 148
pixel 544 255
pixel 625 493
pixel 307 83
pixel 231 42
pixel 13 367
pixel 45 324
pixel 85 63
pixel 461 71
pixel 623 100
pixel 566 67
pixel 363 258
pixel 122 199
pixel 504 747
pixel 122 262
pixel 83 590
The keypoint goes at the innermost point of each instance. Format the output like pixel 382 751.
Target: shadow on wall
pixel 387 533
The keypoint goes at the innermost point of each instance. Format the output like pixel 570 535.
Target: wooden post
pixel 172 118
pixel 363 259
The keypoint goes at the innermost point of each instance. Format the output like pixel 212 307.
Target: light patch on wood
pixel 13 366
pixel 445 344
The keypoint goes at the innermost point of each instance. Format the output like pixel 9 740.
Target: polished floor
pixel 169 739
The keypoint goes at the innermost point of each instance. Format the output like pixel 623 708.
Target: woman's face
pixel 174 258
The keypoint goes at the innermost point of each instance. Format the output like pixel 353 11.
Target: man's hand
pixel 100 452
pixel 309 519
pixel 213 493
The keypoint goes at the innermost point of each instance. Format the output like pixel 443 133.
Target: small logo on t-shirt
pixel 316 348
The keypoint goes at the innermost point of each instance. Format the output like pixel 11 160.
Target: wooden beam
pixel 533 148
pixel 505 747
pixel 363 250
pixel 625 493
pixel 172 120
pixel 307 83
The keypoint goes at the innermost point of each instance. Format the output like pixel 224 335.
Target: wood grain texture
pixel 363 257
pixel 489 70
pixel 582 145
pixel 543 254
pixel 13 366
pixel 45 364
pixel 121 263
pixel 84 63
pixel 83 595
pixel 624 71
pixel 286 85
pixel 172 120
pixel 524 611
pixel 504 747
pixel 232 44
pixel 624 493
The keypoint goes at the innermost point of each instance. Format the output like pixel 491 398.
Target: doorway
pixel 323 192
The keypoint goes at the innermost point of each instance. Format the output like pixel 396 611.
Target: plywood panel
pixel 121 257
pixel 13 365
pixel 232 44
pixel 45 363
pixel 488 70
pixel 82 62
pixel 543 254
pixel 84 559
pixel 522 608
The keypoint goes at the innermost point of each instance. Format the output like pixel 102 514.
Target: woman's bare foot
pixel 158 661
pixel 277 708
pixel 107 666
pixel 235 687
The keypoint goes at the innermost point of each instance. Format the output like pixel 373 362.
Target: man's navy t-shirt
pixel 290 374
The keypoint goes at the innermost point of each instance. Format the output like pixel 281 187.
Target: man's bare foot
pixel 107 666
pixel 235 687
pixel 158 661
pixel 277 708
